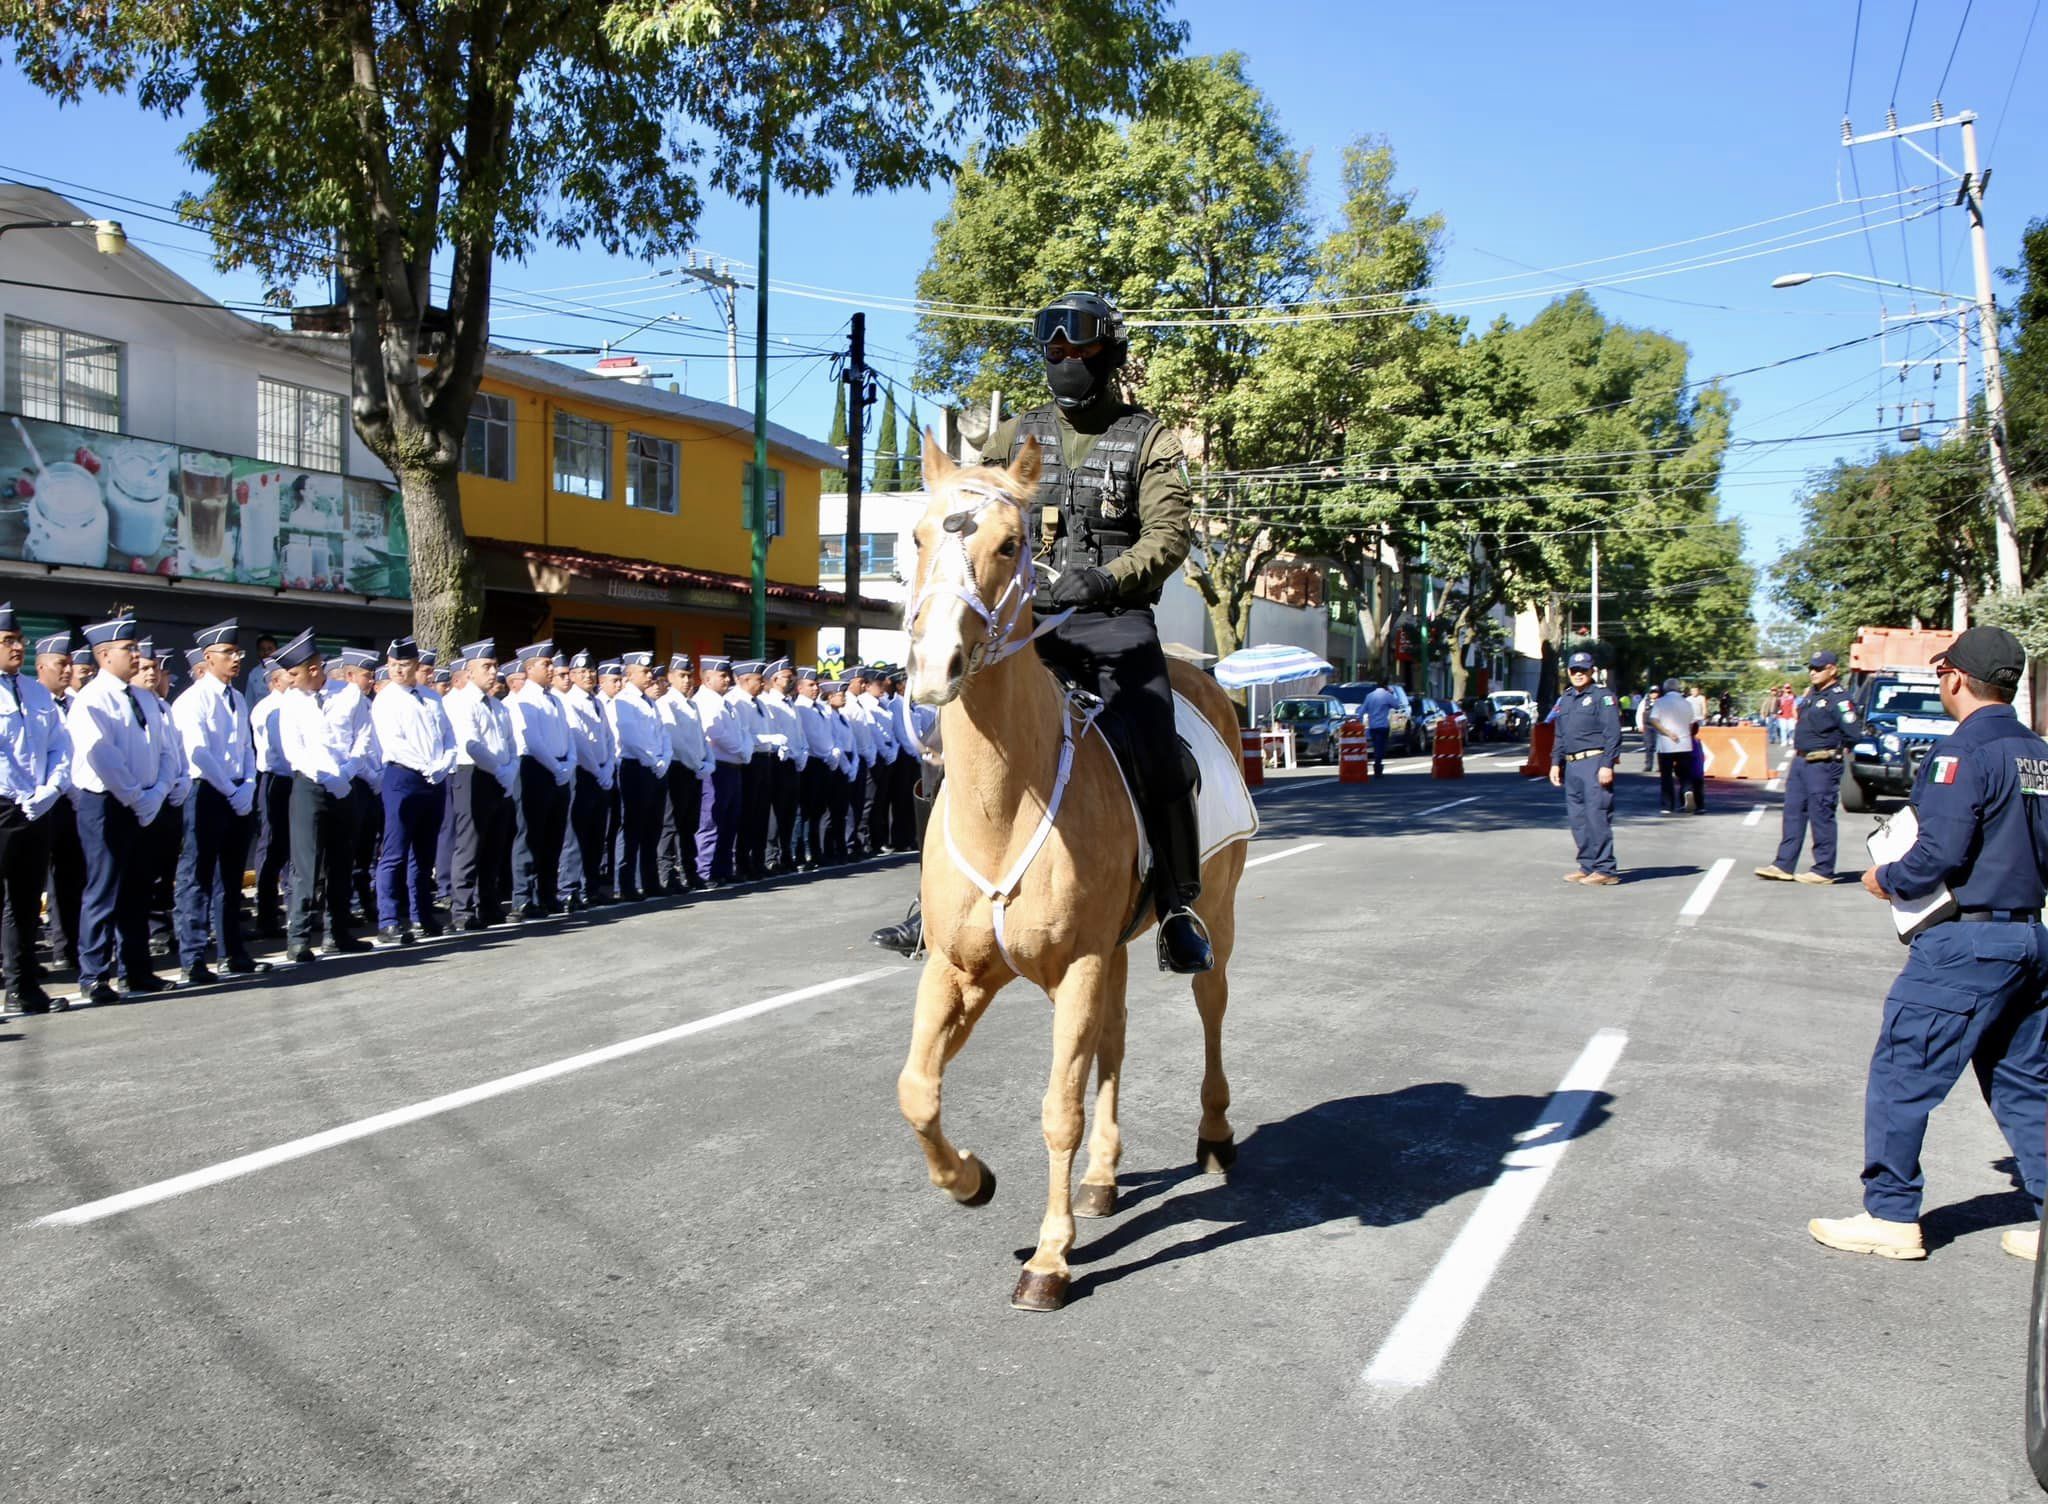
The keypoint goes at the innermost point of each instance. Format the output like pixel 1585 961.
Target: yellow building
pixel 610 514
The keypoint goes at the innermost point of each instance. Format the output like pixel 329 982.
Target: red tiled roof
pixel 645 572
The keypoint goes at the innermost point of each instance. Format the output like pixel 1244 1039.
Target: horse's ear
pixel 1028 464
pixel 938 464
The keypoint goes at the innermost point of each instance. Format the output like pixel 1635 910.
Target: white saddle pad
pixel 1224 811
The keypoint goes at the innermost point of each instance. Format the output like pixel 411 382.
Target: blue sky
pixel 1545 135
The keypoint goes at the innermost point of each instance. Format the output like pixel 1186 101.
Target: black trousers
pixel 273 841
pixel 210 868
pixel 163 845
pixel 682 793
pixel 366 839
pixel 323 863
pixel 839 791
pixel 755 777
pixel 903 776
pixel 783 802
pixel 872 816
pixel 537 844
pixel 812 798
pixel 113 917
pixel 589 814
pixel 481 812
pixel 24 862
pixel 1116 655
pixel 67 882
pixel 1675 777
pixel 640 796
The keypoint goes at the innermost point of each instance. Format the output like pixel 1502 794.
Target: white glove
pixel 243 799
pixel 151 806
pixel 336 785
pixel 38 804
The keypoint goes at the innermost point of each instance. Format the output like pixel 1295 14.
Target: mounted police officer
pixel 1113 525
pixel 1588 747
pixel 1972 991
pixel 1813 778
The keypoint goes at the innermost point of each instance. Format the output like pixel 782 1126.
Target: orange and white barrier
pixel 1254 758
pixel 1448 758
pixel 1735 752
pixel 1354 754
pixel 1542 747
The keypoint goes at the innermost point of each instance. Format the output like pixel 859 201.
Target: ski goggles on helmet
pixel 1078 326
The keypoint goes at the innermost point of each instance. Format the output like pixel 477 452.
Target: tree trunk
pixel 447 579
pixel 1551 619
pixel 1461 637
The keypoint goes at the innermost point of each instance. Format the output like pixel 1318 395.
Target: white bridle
pixel 1000 620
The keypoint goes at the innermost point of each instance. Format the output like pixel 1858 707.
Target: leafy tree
pixel 887 473
pixel 413 136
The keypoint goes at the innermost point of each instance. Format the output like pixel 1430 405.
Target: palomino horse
pixel 1030 862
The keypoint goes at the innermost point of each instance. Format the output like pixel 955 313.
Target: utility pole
pixel 1596 587
pixel 724 288
pixel 759 510
pixel 1962 374
pixel 857 398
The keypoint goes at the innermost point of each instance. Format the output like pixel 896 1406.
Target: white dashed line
pixel 299 1148
pixel 1420 1341
pixel 1274 856
pixel 1704 893
pixel 1754 817
pixel 1437 809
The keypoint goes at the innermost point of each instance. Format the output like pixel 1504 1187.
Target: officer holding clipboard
pixel 1973 988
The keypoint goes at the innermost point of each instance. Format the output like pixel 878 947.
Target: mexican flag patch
pixel 1944 770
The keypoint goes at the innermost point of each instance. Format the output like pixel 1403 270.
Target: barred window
pixel 297 425
pixel 652 468
pixel 63 376
pixel 877 555
pixel 487 447
pixel 583 457
pixel 776 491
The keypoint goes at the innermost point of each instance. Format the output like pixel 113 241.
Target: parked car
pixel 1899 717
pixel 1428 712
pixel 1517 710
pixel 1314 720
pixel 1402 733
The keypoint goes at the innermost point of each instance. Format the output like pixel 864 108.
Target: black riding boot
pixel 907 938
pixel 1177 858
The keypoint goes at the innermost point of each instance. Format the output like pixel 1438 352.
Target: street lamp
pixel 1800 279
pixel 108 236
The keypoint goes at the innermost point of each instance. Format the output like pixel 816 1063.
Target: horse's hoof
pixel 1039 1292
pixel 1215 1155
pixel 1095 1201
pixel 984 1191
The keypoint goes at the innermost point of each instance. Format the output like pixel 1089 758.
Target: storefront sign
pixel 626 590
pixel 111 501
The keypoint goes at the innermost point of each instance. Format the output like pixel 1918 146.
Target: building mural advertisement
pixel 111 501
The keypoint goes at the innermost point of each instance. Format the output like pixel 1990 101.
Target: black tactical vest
pixel 1090 514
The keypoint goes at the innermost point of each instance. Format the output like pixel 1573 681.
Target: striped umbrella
pixel 1274 663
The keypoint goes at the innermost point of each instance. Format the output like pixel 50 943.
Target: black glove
pixel 1083 587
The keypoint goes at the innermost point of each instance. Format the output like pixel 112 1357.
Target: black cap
pixel 1988 653
pixel 1822 659
pixel 1580 661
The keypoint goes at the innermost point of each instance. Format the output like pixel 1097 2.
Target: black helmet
pixel 1084 318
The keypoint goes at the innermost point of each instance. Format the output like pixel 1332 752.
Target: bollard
pixel 1254 758
pixel 1448 759
pixel 1354 754
pixel 1542 744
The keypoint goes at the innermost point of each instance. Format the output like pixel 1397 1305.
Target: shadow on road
pixel 1656 874
pixel 1942 1225
pixel 1369 1161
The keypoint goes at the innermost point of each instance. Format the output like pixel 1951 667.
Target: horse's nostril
pixel 956 665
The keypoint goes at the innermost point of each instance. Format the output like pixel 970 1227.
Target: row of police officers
pixel 381 791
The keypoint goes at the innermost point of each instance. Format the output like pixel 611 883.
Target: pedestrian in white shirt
pixel 820 770
pixel 792 754
pixel 485 782
pixel 212 720
pixel 643 771
pixel 418 744
pixel 317 743
pixel 1673 717
pixel 848 771
pixel 547 764
pixel 586 872
pixel 273 852
pixel 689 770
pixel 732 747
pixel 35 771
pixel 122 778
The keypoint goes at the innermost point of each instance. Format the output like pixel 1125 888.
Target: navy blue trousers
pixel 1810 792
pixel 718 822
pixel 1378 735
pixel 1971 994
pixel 1591 810
pixel 210 868
pixel 413 813
pixel 114 911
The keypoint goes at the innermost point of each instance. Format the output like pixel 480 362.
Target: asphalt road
pixel 711 1268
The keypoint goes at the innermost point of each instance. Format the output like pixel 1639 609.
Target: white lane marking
pixel 1437 809
pixel 1704 893
pixel 1274 856
pixel 1776 785
pixel 1754 817
pixel 1420 1341
pixel 299 1148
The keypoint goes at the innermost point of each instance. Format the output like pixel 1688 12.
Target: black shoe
pixel 30 1000
pixel 200 976
pixel 301 955
pixel 906 939
pixel 675 887
pixel 347 945
pixel 99 995
pixel 474 924
pixel 433 929
pixel 148 983
pixel 244 966
pixel 391 937
pixel 630 895
pixel 575 905
pixel 529 911
pixel 1184 943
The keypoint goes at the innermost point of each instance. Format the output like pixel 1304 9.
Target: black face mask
pixel 1078 383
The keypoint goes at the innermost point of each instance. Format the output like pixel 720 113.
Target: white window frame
pixel 778 500
pixel 306 405
pixel 574 437
pixel 70 401
pixel 491 413
pixel 649 454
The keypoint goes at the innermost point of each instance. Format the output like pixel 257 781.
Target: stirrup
pixel 1209 952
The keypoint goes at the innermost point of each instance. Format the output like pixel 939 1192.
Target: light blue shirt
pixel 1380 705
pixel 35 749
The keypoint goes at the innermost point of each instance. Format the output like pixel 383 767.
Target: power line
pixel 2006 103
pixel 1953 46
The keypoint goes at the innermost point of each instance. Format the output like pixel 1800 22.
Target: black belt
pixel 1581 756
pixel 1830 754
pixel 1999 916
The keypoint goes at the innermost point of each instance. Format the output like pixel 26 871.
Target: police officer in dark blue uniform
pixel 1813 779
pixel 1973 989
pixel 1588 747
